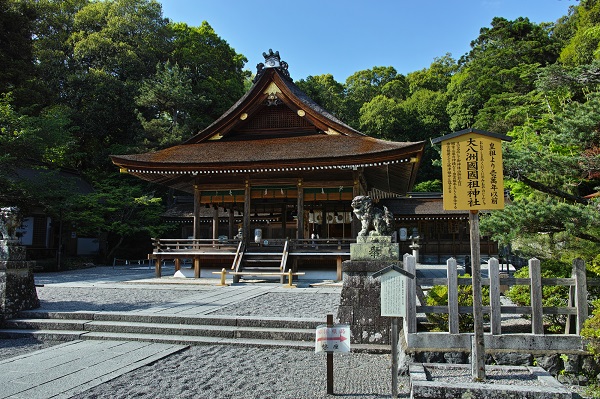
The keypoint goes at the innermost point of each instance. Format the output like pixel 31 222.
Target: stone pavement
pixel 64 370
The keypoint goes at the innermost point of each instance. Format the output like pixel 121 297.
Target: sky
pixel 341 37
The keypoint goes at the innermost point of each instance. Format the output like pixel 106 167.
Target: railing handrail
pixel 237 260
pixel 284 257
pixel 578 283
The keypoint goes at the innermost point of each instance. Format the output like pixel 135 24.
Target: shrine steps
pixel 205 330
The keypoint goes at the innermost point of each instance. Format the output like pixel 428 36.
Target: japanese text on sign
pixel 473 179
pixel 333 339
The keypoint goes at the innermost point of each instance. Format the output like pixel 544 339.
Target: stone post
pixel 360 301
pixel 17 287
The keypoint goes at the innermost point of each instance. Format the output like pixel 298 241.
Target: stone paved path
pixel 64 370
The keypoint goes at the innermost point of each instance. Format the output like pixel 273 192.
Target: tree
pixel 436 77
pixel 118 211
pixel 16 52
pixel 363 86
pixel 326 92
pixel 167 97
pixel 500 61
pixel 584 45
pixel 215 69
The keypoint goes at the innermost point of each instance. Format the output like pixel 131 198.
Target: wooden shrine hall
pixel 283 170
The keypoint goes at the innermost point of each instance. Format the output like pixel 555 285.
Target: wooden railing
pixel 239 254
pixel 284 257
pixel 577 310
pixel 321 244
pixel 166 245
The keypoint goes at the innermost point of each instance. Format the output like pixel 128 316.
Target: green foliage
pixel 551 295
pixel 584 44
pixel 117 211
pixel 167 97
pixel 591 331
pixel 502 59
pixel 326 92
pixel 438 296
pixel 429 186
pixel 436 77
pixel 215 69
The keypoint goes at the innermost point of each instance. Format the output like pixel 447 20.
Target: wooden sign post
pixel 473 181
pixel 331 338
pixel 393 304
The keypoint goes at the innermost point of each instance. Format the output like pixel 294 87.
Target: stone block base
pixel 17 286
pixel 360 302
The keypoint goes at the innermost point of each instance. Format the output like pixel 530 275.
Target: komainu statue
pixel 9 222
pixel 381 220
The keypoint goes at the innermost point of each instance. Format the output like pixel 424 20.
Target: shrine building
pixel 276 170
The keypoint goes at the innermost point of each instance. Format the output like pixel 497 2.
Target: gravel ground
pixel 215 371
pixel 95 299
pixel 240 372
pixel 277 304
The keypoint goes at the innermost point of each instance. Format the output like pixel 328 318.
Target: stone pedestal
pixel 17 287
pixel 360 302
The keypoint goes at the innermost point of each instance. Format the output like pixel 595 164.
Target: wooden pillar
pixel 215 222
pixel 356 190
pixel 177 264
pixel 284 218
pixel 339 275
pixel 300 206
pixel 477 344
pixel 535 274
pixel 230 227
pixel 197 205
pixel 496 314
pixel 452 296
pixel 158 267
pixel 580 293
pixel 410 321
pixel 196 267
pixel 246 219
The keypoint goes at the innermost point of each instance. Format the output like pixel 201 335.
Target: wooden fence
pixel 536 342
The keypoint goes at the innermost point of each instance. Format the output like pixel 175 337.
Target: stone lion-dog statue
pixel 9 222
pixel 369 215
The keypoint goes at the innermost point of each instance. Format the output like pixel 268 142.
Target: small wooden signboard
pixel 393 290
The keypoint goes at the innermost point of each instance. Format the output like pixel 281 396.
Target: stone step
pixel 128 327
pixel 58 335
pixel 230 330
pixel 223 320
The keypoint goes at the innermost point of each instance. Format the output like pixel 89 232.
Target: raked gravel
pixel 218 371
pixel 214 371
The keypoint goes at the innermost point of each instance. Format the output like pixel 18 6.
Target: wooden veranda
pixel 267 258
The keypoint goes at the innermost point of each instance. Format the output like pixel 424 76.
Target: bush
pixel 438 296
pixel 591 331
pixel 551 295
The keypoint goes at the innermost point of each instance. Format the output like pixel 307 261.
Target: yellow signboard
pixel 472 172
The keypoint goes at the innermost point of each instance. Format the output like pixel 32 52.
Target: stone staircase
pixel 65 326
pixel 273 332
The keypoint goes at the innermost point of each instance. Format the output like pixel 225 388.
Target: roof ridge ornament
pixel 272 60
